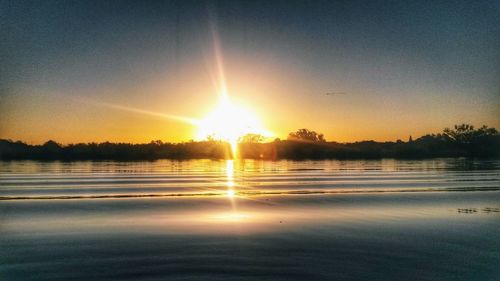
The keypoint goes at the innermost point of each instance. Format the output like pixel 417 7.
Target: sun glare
pixel 228 122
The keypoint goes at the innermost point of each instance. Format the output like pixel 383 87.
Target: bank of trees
pixel 461 141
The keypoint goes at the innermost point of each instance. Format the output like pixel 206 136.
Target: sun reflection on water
pixel 230 174
pixel 233 215
pixel 230 217
pixel 230 193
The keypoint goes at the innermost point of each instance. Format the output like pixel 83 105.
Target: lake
pixel 250 220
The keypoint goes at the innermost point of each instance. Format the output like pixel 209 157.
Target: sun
pixel 228 122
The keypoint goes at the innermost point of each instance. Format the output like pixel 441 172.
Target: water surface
pixel 250 220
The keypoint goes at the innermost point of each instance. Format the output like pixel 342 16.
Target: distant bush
pixel 306 135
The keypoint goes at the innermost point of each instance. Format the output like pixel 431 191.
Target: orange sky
pixel 273 92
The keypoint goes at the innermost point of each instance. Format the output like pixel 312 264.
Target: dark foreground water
pixel 250 220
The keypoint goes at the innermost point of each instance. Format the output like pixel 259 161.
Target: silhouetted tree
pixel 462 134
pixel 484 131
pixel 306 135
pixel 211 138
pixel 251 138
pixel 51 146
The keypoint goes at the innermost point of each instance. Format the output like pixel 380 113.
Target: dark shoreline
pixel 278 150
pixel 462 141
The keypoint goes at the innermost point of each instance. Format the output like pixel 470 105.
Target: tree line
pixel 461 141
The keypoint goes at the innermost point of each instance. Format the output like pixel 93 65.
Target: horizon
pixel 80 72
pixel 266 140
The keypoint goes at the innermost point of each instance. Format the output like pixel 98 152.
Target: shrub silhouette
pixel 306 135
pixel 251 138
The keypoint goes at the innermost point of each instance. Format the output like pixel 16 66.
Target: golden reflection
pixel 229 174
pixel 230 193
pixel 230 217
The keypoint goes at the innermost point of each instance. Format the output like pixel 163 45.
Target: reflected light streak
pixel 230 173
pixel 230 193
pixel 231 217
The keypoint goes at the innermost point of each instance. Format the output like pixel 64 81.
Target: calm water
pixel 250 220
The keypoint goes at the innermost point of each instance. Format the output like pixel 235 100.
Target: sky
pixel 85 71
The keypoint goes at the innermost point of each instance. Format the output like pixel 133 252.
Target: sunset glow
pixel 229 122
